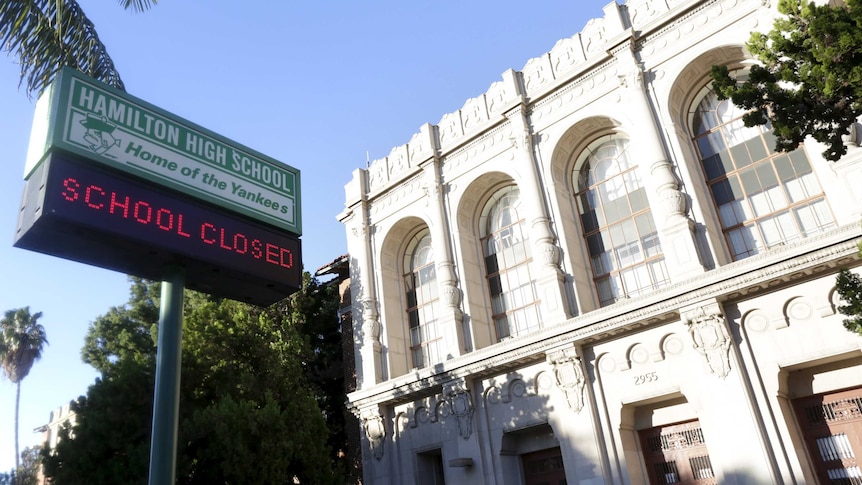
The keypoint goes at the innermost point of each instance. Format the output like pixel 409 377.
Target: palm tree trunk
pixel 17 402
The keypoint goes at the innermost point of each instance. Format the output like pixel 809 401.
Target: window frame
pixel 421 300
pixel 614 209
pixel 791 203
pixel 514 299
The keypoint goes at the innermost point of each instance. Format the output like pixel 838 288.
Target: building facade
pixel 59 417
pixel 594 273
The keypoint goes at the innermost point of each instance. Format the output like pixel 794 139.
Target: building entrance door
pixel 831 426
pixel 544 467
pixel 677 454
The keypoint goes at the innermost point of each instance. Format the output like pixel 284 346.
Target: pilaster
pixel 451 316
pixel 546 251
pixel 366 331
pixel 668 203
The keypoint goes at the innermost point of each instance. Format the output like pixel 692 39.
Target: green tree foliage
pixel 125 333
pixel 28 472
pixel 315 310
pixel 22 339
pixel 810 80
pixel 248 412
pixel 849 287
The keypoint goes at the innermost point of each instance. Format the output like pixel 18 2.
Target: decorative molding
pixel 503 393
pixel 397 197
pixel 582 90
pixel 708 330
pixel 451 296
pixel 551 254
pixel 372 422
pixel 494 138
pixel 573 68
pixel 460 405
pixel 814 255
pixel 667 186
pixel 569 375
pixel 688 25
pixel 370 322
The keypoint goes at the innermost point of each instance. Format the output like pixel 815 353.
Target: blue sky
pixel 320 86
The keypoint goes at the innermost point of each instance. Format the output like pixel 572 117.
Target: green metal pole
pixel 166 405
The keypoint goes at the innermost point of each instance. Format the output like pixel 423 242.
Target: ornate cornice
pixel 809 257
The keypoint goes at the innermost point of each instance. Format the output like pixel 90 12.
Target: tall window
pixel 764 198
pixel 420 282
pixel 506 250
pixel 625 252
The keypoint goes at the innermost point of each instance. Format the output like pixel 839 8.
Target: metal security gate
pixel 677 454
pixel 832 429
pixel 544 467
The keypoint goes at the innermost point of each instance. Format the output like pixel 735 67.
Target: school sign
pixel 90 119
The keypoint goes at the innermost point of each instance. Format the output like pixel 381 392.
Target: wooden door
pixel 544 467
pixel 832 429
pixel 677 454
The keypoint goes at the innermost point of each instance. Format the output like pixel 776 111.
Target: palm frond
pixel 22 339
pixel 46 35
pixel 138 5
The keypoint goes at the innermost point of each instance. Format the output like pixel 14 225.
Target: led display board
pixel 88 118
pixel 84 212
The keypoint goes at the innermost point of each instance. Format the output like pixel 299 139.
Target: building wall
pixel 59 417
pixel 726 342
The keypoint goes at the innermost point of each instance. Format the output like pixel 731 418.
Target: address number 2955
pixel 645 378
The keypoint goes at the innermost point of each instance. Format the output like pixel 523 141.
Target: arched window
pixel 625 252
pixel 420 284
pixel 764 198
pixel 506 249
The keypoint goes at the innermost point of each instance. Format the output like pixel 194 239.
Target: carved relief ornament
pixel 376 432
pixel 569 376
pixel 708 331
pixel 461 406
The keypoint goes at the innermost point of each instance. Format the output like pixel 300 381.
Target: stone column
pixel 668 203
pixel 546 252
pixel 366 330
pixel 451 316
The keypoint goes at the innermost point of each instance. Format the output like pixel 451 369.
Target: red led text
pixel 174 223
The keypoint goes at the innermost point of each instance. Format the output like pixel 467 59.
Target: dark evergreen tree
pixel 315 309
pixel 809 82
pixel 849 288
pixel 248 411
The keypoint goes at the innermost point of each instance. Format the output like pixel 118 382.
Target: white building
pixel 59 417
pixel 594 273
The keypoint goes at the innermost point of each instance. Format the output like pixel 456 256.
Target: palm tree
pixel 21 343
pixel 46 35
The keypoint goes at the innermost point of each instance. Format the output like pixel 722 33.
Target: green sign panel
pixel 81 115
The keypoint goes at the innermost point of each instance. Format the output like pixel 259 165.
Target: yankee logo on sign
pixel 98 133
pixel 90 119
